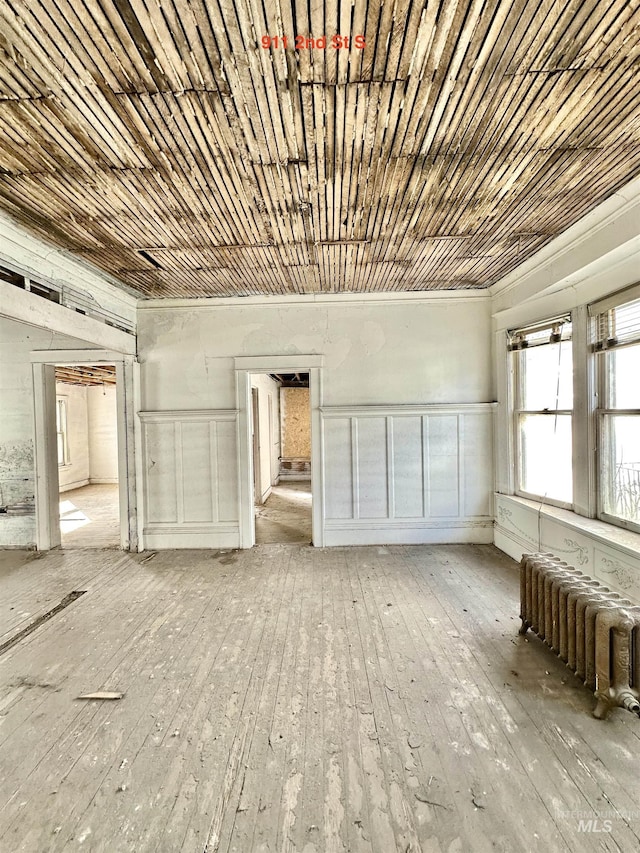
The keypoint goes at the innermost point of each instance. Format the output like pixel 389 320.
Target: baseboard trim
pixel 372 532
pixel 164 537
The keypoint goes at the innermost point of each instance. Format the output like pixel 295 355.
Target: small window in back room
pixel 543 411
pixel 61 431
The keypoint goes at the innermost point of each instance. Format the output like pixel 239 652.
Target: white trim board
pixel 278 364
pixel 368 533
pixel 75 356
pixel 25 307
pixel 33 256
pixel 188 415
pixel 409 410
pixel 309 299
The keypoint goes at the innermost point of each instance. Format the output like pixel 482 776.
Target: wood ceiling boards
pixel 86 374
pixel 161 141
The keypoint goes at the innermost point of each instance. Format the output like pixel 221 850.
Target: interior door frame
pixel 255 447
pixel 244 367
pixel 43 365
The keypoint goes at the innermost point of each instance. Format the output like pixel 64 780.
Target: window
pixel 543 373
pixel 616 329
pixel 61 431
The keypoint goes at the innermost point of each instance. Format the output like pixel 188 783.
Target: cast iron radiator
pixel 595 631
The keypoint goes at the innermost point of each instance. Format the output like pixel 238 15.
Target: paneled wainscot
pixel 190 479
pixel 408 474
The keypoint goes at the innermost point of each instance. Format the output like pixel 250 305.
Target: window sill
pixel 607 534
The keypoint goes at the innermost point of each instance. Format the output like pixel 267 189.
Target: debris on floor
pixel 102 694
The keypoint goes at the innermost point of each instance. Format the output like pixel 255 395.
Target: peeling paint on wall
pixel 17 478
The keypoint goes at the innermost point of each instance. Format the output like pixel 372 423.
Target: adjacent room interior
pixel 281 430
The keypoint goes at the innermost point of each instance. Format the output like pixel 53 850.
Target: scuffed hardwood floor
pixel 298 700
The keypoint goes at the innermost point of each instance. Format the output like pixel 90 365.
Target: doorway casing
pixel 244 367
pixel 46 456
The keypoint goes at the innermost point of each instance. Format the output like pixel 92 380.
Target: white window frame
pixel 518 411
pixel 601 350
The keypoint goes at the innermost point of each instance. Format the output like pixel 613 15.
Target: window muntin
pixel 543 369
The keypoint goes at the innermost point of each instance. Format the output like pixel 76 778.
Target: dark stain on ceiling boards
pixel 189 150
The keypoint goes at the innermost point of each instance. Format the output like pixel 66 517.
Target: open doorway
pixel 281 451
pixel 87 452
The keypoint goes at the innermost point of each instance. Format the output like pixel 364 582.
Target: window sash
pixel 558 496
pixel 544 443
pixel 61 433
pixel 616 485
pixel 618 479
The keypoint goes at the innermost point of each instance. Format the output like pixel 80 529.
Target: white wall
pixel 431 350
pixel 269 426
pixel 377 353
pixel 102 433
pixel 76 472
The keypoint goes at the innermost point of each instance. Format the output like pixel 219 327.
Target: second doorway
pixel 281 432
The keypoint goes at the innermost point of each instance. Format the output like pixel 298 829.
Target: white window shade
pixel 616 322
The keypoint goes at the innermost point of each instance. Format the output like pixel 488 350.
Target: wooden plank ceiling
pixel 86 374
pixel 161 141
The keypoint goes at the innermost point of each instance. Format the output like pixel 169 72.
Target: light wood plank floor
pixel 298 700
pixel 90 516
pixel 285 517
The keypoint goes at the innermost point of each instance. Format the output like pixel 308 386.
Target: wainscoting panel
pixel 339 474
pixel 199 492
pixel 161 471
pixel 442 469
pixel 224 440
pixel 191 479
pixel 477 464
pixel 408 474
pixel 372 499
pixel 408 454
